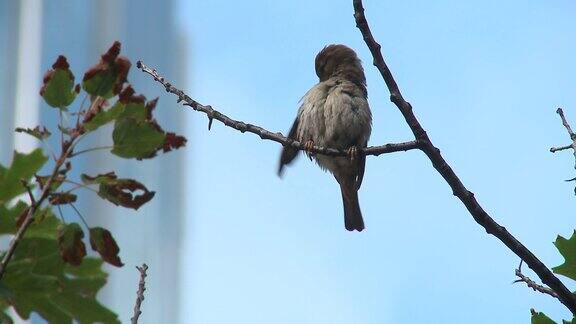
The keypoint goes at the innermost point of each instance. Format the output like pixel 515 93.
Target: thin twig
pixel 532 284
pixel 61 123
pixel 140 293
pixel 560 112
pixel 572 146
pixel 29 191
pixel 458 189
pixel 263 133
pixel 561 148
pixel 78 185
pixel 92 149
pixel 61 214
pixel 80 215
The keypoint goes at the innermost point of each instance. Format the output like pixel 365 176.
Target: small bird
pixel 335 114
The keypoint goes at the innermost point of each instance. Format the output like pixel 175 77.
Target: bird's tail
pixel 352 214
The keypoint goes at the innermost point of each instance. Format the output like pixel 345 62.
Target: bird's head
pixel 339 60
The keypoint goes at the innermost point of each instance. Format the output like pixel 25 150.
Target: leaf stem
pixel 81 217
pixel 61 214
pixel 92 149
pixel 78 185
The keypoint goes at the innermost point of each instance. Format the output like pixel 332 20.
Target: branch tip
pixel 140 293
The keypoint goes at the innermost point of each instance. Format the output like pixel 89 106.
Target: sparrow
pixel 335 114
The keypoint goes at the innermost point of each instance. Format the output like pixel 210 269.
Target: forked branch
pixel 458 189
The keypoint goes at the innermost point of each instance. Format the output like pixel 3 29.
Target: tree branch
pixel 139 293
pixel 263 133
pixel 532 284
pixel 561 148
pixel 560 112
pixel 458 189
pixel 572 146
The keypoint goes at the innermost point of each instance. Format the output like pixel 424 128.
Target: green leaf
pixel 101 241
pixel 540 318
pixel 568 250
pixel 86 310
pixel 573 321
pixel 136 139
pixel 101 83
pixel 38 280
pixel 45 225
pixel 58 89
pixel 4 318
pixel 136 110
pixel 24 166
pixel 104 117
pixel 72 249
pixel 86 278
pixel 44 306
pixel 8 217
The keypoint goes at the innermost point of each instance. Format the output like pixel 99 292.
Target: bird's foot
pixel 308 146
pixel 353 153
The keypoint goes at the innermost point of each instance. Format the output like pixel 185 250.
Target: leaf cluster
pixel 50 272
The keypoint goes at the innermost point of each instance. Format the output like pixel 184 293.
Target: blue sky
pixel 484 78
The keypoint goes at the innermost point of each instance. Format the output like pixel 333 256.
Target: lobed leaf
pixel 50 291
pixel 106 78
pixel 103 117
pixel 568 250
pixel 8 217
pixel 24 166
pixel 136 139
pixel 58 88
pixel 540 318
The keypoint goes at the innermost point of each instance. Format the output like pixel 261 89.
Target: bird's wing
pixel 288 152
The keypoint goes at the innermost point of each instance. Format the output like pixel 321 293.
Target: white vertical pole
pixel 28 74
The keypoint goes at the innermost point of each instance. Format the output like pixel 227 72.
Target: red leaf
pixel 72 249
pixel 120 192
pixel 107 77
pixel 101 241
pixel 40 132
pixel 62 198
pixel 173 142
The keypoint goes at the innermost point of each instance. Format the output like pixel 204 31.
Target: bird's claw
pixel 308 146
pixel 353 153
